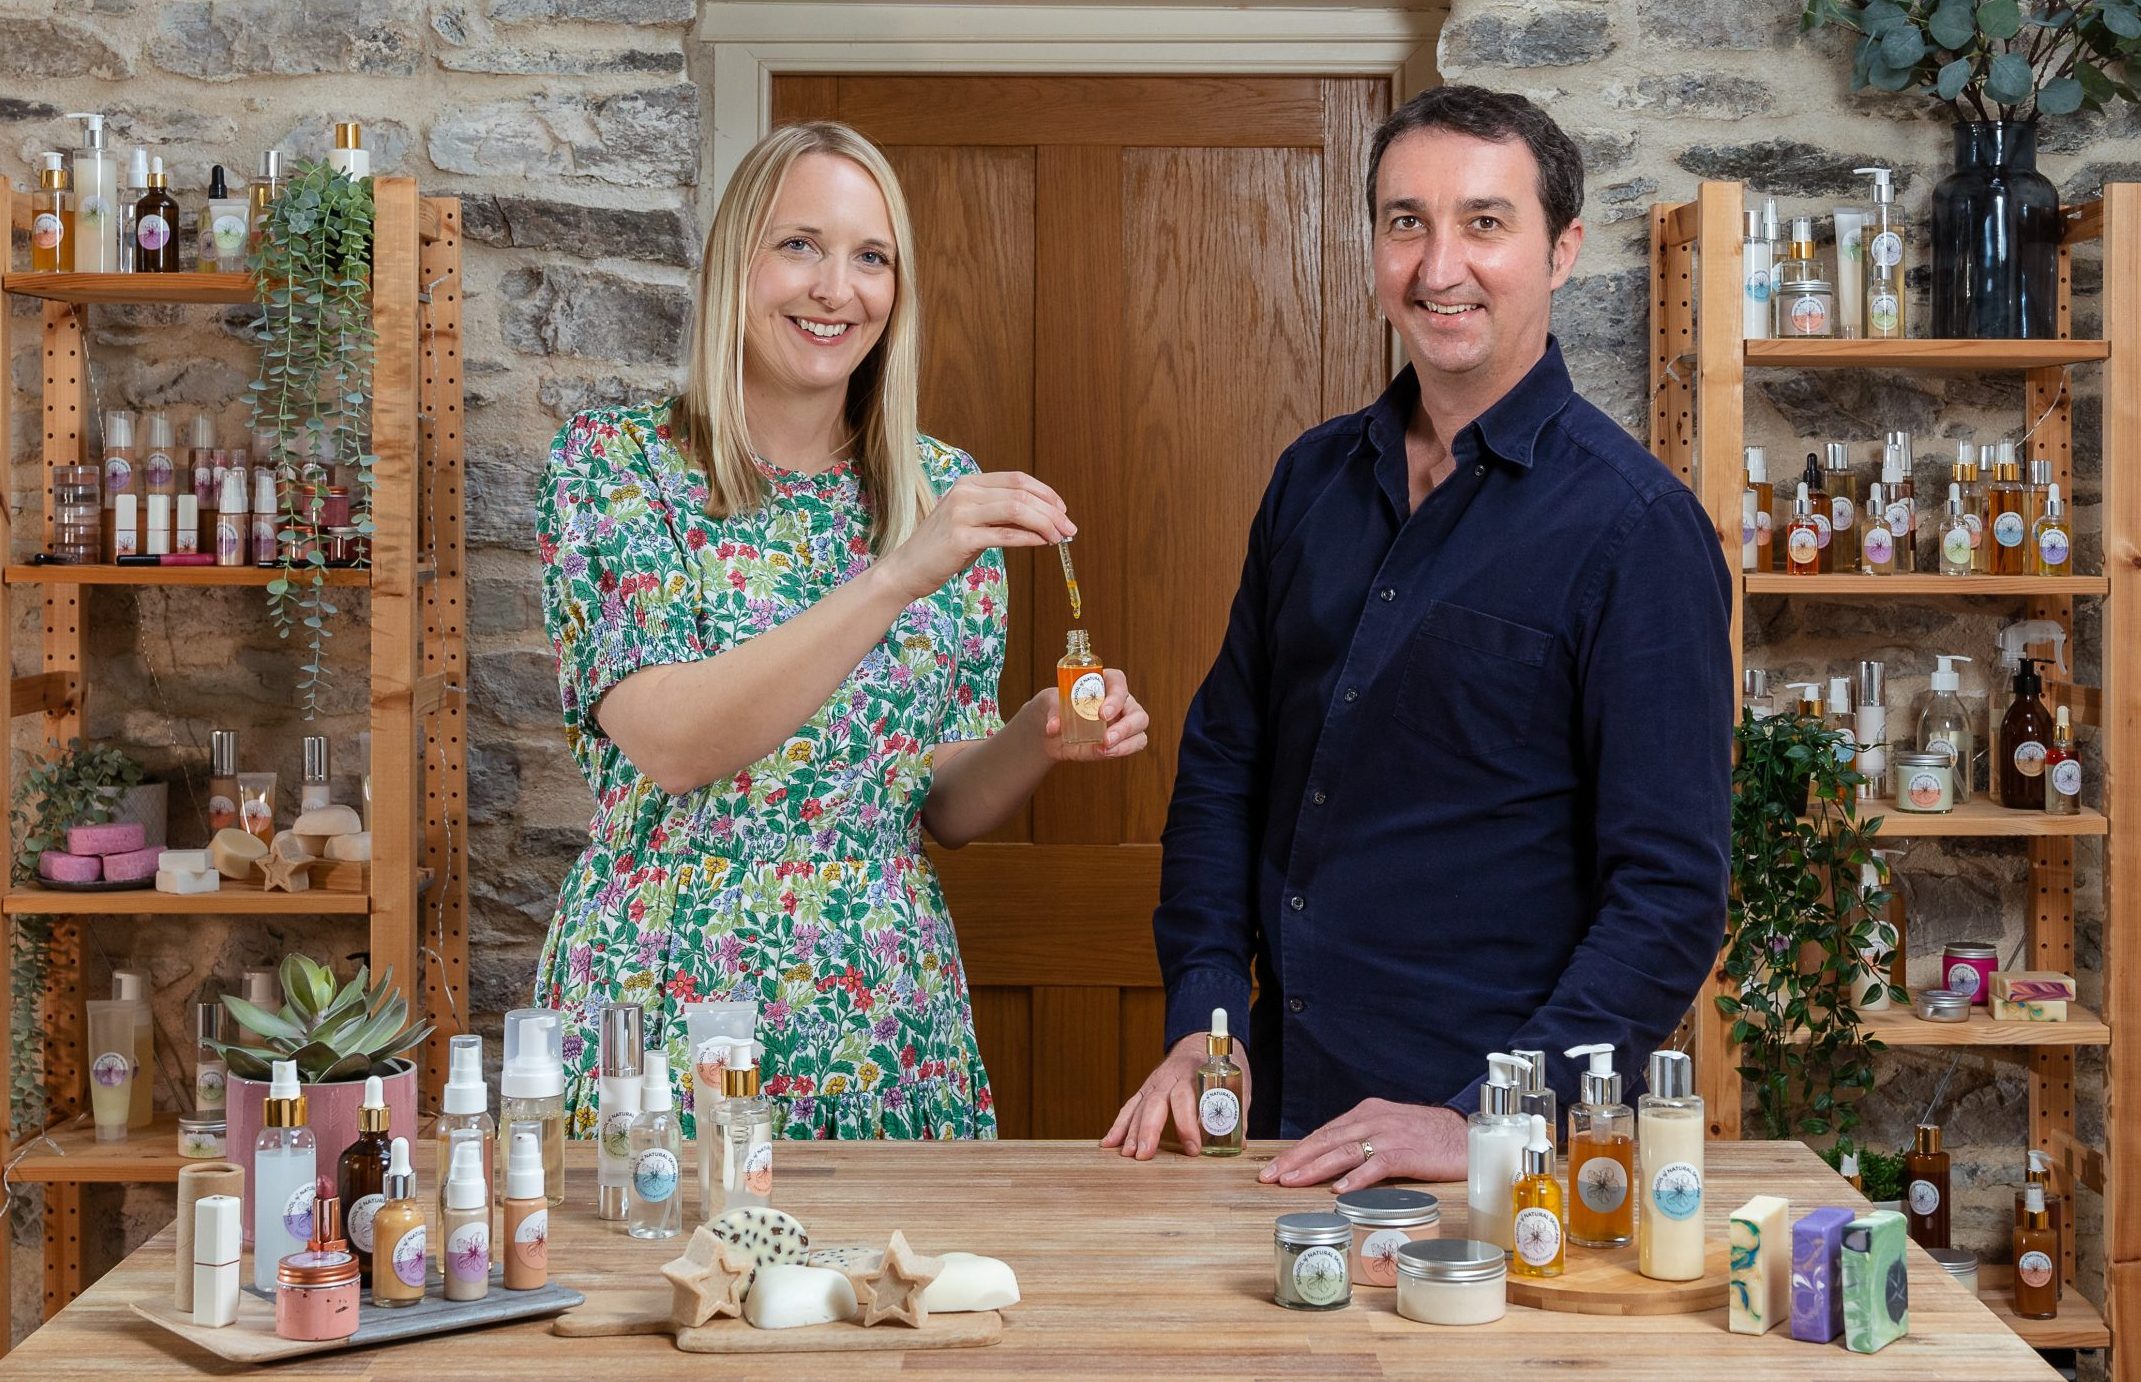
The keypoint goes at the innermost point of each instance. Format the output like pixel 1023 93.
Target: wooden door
pixel 1139 289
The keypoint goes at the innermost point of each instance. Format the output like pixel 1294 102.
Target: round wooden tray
pixel 1604 1281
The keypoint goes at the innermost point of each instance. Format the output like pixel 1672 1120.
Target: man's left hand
pixel 1376 1141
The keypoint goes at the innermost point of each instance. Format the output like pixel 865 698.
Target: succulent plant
pixel 333 1033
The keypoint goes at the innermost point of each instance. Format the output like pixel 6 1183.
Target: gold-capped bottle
pixel 1219 1090
pixel 1080 690
pixel 2036 1261
pixel 52 219
pixel 2010 526
pixel 1538 1226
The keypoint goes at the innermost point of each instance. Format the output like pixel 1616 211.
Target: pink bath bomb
pixel 62 867
pixel 106 839
pixel 134 866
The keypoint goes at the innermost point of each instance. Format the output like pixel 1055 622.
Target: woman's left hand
pixel 1125 719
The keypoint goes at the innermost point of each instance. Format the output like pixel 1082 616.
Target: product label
pixel 1379 1256
pixel 1963 978
pixel 47 231
pixel 2029 758
pixel 2053 546
pixel 468 1252
pixel 152 232
pixel 1087 692
pixel 1804 546
pixel 208 1088
pixel 2007 530
pixel 359 1223
pixel 1218 1112
pixel 1758 285
pixel 654 1174
pixel 111 1069
pixel 93 212
pixel 1883 312
pixel 1843 514
pixel 1821 528
pixel 1847 749
pixel 409 1257
pixel 1810 316
pixel 1319 1275
pixel 1746 531
pixel 158 469
pixel 1880 547
pixel 118 473
pixel 1976 525
pixel 1925 791
pixel 1676 1191
pixel 1924 1197
pixel 2035 1268
pixel 2067 777
pixel 222 808
pixel 1941 746
pixel 1764 528
pixel 1538 1236
pixel 1887 249
pixel 1901 520
pixel 758 1163
pixel 297 1212
pixel 531 1240
pixel 1955 545
pixel 229 233
pixel 1602 1184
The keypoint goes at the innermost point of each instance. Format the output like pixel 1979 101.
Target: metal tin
pixel 203 1139
pixel 1452 1259
pixel 1941 1005
pixel 1386 1206
pixel 1808 308
pixel 1309 1259
pixel 1967 967
pixel 1959 1263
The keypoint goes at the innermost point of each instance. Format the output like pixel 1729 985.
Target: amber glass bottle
pixel 1925 1192
pixel 1080 690
pixel 2036 1261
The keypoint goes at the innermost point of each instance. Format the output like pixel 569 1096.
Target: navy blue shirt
pixel 1459 779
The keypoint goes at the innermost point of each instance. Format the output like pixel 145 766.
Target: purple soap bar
pixel 106 839
pixel 1817 1294
pixel 62 867
pixel 132 866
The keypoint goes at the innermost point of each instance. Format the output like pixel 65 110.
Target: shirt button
pixel 1298 902
pixel 1389 594
pixel 1295 1004
pixel 1478 471
pixel 1351 695
pixel 1318 798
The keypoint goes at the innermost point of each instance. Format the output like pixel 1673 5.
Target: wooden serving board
pixel 1604 1281
pixel 609 1313
pixel 253 1338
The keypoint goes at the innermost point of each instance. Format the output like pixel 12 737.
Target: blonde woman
pixel 779 617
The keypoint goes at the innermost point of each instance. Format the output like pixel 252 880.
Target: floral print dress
pixel 800 882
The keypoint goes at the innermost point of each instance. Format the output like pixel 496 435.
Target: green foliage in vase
pixel 1992 59
pixel 1880 1173
pixel 333 1032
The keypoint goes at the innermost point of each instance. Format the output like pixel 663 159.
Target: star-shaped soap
pixel 287 864
pixel 708 1280
pixel 891 1289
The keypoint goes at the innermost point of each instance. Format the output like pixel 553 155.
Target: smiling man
pixel 1458 780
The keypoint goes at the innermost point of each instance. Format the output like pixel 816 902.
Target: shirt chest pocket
pixel 1471 681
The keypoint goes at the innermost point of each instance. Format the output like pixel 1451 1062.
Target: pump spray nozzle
pixel 1504 1074
pixel 1945 677
pixel 1601 1083
pixel 92 128
pixel 1883 191
pixel 2018 636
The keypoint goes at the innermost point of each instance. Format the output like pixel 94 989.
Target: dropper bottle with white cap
pixel 466 1113
pixel 1219 1093
pixel 360 1172
pixel 398 1244
pixel 1536 1204
pixel 284 1180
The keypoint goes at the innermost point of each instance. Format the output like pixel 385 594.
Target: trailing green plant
pixel 333 1032
pixel 1992 59
pixel 312 272
pixel 1880 1173
pixel 78 784
pixel 1797 925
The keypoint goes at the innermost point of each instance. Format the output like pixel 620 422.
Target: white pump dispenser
pixel 96 199
pixel 1944 725
pixel 1869 987
pixel 1494 1148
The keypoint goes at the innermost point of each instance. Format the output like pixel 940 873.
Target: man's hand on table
pixel 1170 1091
pixel 1407 1142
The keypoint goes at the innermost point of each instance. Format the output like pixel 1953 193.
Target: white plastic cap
pixel 137 168
pixel 654 1096
pixel 204 432
pixel 524 1166
pixel 534 1055
pixel 464 1188
pixel 1799 500
pixel 2033 1198
pixel 2051 494
pixel 1219 1022
pixel 1955 493
pixel 1538 1141
pixel 217 1237
pixel 1501 1063
pixel 130 986
pixel 1839 695
pixel 1601 1054
pixel 54 161
pixel 465 1092
pixel 1945 677
pixel 118 428
pixel 1847 1164
pixel 260 986
pixel 375 1093
pixel 1757 464
pixel 284 1085
pixel 398 1158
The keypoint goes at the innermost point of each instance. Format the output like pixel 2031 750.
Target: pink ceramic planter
pixel 331 1113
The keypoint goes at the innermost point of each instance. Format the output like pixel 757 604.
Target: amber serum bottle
pixel 1080 689
pixel 2036 1260
pixel 1925 1188
pixel 1219 1086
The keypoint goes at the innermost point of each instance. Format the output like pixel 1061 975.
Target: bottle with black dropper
pixel 1817 495
pixel 2025 733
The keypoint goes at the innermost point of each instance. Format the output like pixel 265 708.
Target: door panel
pixel 1139 289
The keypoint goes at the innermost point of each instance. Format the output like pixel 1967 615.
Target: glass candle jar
pixel 316 1295
pixel 1959 1263
pixel 1386 1218
pixel 202 1139
pixel 1809 309
pixel 1967 967
pixel 1309 1257
pixel 1452 1281
pixel 1925 782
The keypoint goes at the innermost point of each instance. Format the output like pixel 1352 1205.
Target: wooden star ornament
pixel 707 1281
pixel 891 1289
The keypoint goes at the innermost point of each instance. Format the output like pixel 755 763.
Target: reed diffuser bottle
pixel 1219 1087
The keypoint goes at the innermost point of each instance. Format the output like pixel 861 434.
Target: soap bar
pixel 2031 1010
pixel 115 838
pixel 132 866
pixel 840 1259
pixel 184 861
pixel 2032 985
pixel 329 820
pixel 234 853
pixel 186 881
pixel 1877 1287
pixel 969 1282
pixel 355 849
pixel 1760 1294
pixel 62 867
pixel 765 1236
pixel 789 1295
pixel 292 845
pixel 1817 1300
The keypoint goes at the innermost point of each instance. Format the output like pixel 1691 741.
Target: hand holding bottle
pixel 1003 509
pixel 1125 719
pixel 1170 1091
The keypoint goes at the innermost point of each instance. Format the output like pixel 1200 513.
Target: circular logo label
pixel 1087 692
pixel 409 1257
pixel 297 1212
pixel 1887 249
pixel 111 1069
pixel 360 1219
pixel 2029 758
pixel 154 232
pixel 1925 791
pixel 654 1174
pixel 1883 312
pixel 1976 525
pixel 1941 746
pixel 1897 1296
pixel 2067 777
pixel 1963 978
pixel 229 232
pixel 93 210
pixel 2007 530
pixel 1880 547
pixel 1955 545
pixel 758 1169
pixel 2035 1268
pixel 208 1087
pixel 1804 546
pixel 468 1252
pixel 1763 526
pixel 118 470
pixel 1925 1197
pixel 158 469
pixel 1900 518
pixel 1810 316
pixel 1676 1191
pixel 1219 1112
pixel 1821 528
pixel 1842 513
pixel 1320 1275
pixel 2053 547
pixel 1746 531
pixel 1379 1256
pixel 1538 1236
pixel 1846 750
pixel 616 1135
pixel 47 231
pixel 1602 1184
pixel 531 1240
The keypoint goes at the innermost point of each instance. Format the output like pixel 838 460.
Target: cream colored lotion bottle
pixel 1669 1138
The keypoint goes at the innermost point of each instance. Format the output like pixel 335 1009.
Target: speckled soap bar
pixel 1817 1303
pixel 1877 1286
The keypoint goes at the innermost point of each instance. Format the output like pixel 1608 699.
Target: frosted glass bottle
pixel 1669 1137
pixel 285 1177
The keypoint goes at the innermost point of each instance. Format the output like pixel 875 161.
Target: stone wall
pixel 575 131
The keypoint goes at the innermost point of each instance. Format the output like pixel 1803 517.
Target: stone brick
pixel 13 108
pixel 505 607
pixel 493 784
pixel 516 686
pixel 1559 37
pixel 47 46
pixel 1603 150
pixel 513 60
pixel 225 40
pixel 1608 312
pixel 1831 403
pixel 643 12
pixel 563 395
pixel 634 139
pixel 1707 94
pixel 501 496
pixel 561 311
pixel 661 234
pixel 1707 25
pixel 387 140
pixel 1789 168
pixel 1624 201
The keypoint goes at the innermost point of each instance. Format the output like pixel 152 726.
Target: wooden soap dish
pixel 1604 1281
pixel 647 1312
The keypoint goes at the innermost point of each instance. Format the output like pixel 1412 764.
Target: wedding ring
pixel 1367 1149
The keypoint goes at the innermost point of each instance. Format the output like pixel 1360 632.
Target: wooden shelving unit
pixel 414 893
pixel 1699 366
pixel 2079 1325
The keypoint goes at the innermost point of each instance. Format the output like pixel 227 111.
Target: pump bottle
pixel 1925 1188
pixel 1869 728
pixel 285 1176
pixel 1884 259
pixel 621 1056
pixel 1601 1155
pixel 398 1235
pixel 2051 540
pixel 1536 1205
pixel 1494 1146
pixel 1944 727
pixel 1841 719
pixel 96 200
pixel 1535 1095
pixel 1869 986
pixel 655 1208
pixel 2037 1275
pixel 1897 465
pixel 1755 263
pixel 2039 1176
pixel 1669 1138
pixel 130 198
pixel 744 1123
pixel 527 1211
pixel 2024 732
pixel 1219 1082
pixel 2014 643
pixel 531 1086
pixel 2062 770
pixel 465 1222
pixel 360 1174
pixel 466 1115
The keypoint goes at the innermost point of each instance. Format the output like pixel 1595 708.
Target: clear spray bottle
pixel 744 1123
pixel 466 1113
pixel 655 1209
pixel 285 1176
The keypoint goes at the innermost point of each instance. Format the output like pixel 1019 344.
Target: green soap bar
pixel 1877 1285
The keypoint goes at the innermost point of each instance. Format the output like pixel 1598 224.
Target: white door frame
pixel 752 41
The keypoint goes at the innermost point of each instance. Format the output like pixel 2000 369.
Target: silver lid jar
pixel 1312 1230
pixel 1388 1206
pixel 1972 950
pixel 1452 1259
pixel 1941 1005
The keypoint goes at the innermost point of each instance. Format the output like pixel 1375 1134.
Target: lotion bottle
pixel 2025 734
pixel 527 1211
pixel 130 198
pixel 2037 1277
pixel 1755 314
pixel 655 1208
pixel 285 1176
pixel 465 1224
pixel 1535 1095
pixel 96 200
pixel 1536 1207
pixel 1885 261
pixel 465 1111
pixel 621 1056
pixel 2038 1176
pixel 1601 1155
pixel 398 1235
pixel 1219 1083
pixel 1494 1148
pixel 1669 1149
pixel 360 1174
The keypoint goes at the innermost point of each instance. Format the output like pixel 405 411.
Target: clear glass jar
pixel 1452 1281
pixel 203 1139
pixel 1310 1261
pixel 1386 1218
pixel 1925 782
pixel 1808 309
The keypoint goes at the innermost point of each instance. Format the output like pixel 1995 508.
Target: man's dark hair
pixel 1503 118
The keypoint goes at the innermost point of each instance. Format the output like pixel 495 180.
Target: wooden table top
pixel 1126 1270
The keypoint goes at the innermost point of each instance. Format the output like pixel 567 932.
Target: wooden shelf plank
pixel 125 288
pixel 1982 818
pixel 1899 1026
pixel 232 899
pixel 2079 1325
pixel 149 1156
pixel 25 574
pixel 1923 354
pixel 1921 583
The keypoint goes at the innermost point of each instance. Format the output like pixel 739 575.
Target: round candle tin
pixel 1310 1261
pixel 1385 1218
pixel 1967 968
pixel 1941 1005
pixel 202 1138
pixel 1959 1263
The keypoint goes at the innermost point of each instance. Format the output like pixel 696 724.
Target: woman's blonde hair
pixel 881 394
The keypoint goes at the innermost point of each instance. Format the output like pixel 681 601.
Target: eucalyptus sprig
pixel 1796 892
pixel 1992 59
pixel 312 272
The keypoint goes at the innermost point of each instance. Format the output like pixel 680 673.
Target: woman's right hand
pixel 980 511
